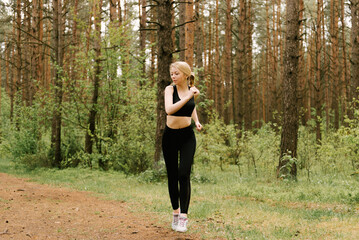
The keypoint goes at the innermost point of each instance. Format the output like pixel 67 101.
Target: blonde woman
pixel 179 140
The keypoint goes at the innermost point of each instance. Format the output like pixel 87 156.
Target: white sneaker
pixel 175 221
pixel 182 224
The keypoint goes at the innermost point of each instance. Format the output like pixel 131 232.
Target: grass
pixel 227 205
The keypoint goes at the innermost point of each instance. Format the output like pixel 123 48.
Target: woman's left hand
pixel 195 91
pixel 198 126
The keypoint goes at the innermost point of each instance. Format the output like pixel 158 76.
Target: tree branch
pixel 180 25
pixel 47 45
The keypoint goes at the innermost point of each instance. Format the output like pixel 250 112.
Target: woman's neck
pixel 182 86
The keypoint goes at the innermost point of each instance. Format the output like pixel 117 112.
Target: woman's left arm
pixel 195 119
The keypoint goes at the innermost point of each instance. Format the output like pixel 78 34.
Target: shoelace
pixel 183 222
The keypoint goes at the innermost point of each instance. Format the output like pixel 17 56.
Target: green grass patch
pixel 225 204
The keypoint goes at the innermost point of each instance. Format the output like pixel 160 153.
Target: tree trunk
pixel 210 81
pixel 200 45
pixel 18 81
pixel 238 83
pixel 189 33
pixel 289 137
pixel 57 58
pixel 345 74
pixel 248 101
pixel 182 32
pixel 318 70
pixel 165 50
pixel 355 49
pixel 218 80
pixel 152 40
pixel 90 134
pixel 335 62
pixel 227 63
pixel 143 34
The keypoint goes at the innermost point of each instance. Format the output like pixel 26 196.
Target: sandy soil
pixel 33 211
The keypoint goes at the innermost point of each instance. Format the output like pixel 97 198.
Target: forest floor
pixel 30 210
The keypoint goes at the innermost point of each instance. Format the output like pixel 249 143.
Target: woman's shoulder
pixel 170 88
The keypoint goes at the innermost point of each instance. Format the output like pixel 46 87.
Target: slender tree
pixel 218 90
pixel 182 31
pixel 90 134
pixel 165 51
pixel 355 49
pixel 227 63
pixel 189 35
pixel 334 32
pixel 143 34
pixel 248 100
pixel 289 137
pixel 57 60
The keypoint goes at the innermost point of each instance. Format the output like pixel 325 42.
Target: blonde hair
pixel 186 69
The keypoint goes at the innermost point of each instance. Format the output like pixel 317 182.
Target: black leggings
pixel 182 141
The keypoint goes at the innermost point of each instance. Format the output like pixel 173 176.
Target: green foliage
pixel 24 140
pixel 217 142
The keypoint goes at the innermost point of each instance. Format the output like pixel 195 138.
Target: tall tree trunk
pixel 248 101
pixel 239 81
pixel 164 50
pixel 189 33
pixel 302 70
pixel 218 80
pixel 289 137
pixel 227 63
pixel 269 78
pixel 318 71
pixel 90 134
pixel 18 81
pixel 355 50
pixel 143 18
pixel 199 47
pixel 210 81
pixel 182 31
pixel 152 40
pixel 345 72
pixel 335 62
pixel 57 58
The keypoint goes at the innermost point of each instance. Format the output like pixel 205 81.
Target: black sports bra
pixel 187 109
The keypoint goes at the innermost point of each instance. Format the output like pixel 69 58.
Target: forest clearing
pixel 224 207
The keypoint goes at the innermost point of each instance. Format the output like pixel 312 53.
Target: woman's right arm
pixel 171 107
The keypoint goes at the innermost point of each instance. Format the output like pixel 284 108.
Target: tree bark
pixel 289 136
pixel 355 50
pixel 218 80
pixel 57 58
pixel 165 50
pixel 143 35
pixel 182 32
pixel 335 62
pixel 199 47
pixel 90 134
pixel 189 33
pixel 248 101
pixel 318 71
pixel 227 63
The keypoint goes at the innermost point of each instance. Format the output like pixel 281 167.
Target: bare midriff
pixel 176 122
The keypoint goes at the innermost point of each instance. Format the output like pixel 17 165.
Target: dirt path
pixel 33 211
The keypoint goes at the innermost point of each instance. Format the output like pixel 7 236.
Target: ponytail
pixel 190 79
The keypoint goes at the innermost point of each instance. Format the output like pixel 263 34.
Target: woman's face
pixel 177 76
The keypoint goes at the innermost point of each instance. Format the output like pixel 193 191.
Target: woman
pixel 179 138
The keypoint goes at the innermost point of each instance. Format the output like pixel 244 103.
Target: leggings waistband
pixel 178 129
